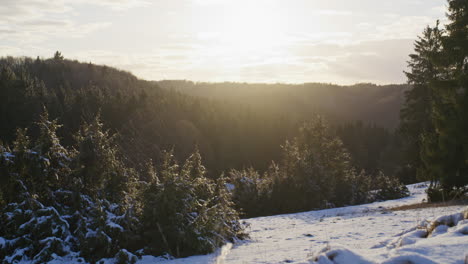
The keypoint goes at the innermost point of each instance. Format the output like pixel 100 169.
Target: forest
pixel 96 163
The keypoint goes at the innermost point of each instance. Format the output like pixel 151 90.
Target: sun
pixel 252 28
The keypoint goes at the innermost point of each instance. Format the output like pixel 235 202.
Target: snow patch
pixel 2 242
pixel 338 255
pixel 223 253
pixel 363 232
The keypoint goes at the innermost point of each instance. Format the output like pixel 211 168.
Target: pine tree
pixel 58 56
pixel 417 113
pixel 56 156
pixel 453 125
pixel 315 169
pixel 5 177
pixel 149 174
pixel 184 212
pixel 247 191
pixel 441 71
pixel 166 207
pixel 98 171
pixel 448 146
pixel 22 142
pixel 28 166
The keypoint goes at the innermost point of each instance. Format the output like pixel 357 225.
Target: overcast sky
pixel 291 41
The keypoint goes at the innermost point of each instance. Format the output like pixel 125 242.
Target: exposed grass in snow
pixel 429 205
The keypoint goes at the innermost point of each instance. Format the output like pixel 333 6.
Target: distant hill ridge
pixel 379 104
pixel 234 125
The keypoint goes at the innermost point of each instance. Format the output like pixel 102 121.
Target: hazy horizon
pixel 290 42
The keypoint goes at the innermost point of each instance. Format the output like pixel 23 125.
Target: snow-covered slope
pixel 359 234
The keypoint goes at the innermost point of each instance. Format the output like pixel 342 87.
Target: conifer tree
pixel 99 171
pixel 28 166
pixel 22 142
pixel 314 167
pixel 56 156
pixel 439 67
pixel 418 111
pixel 149 174
pixel 452 121
pixel 185 212
pixel 166 207
pixel 58 56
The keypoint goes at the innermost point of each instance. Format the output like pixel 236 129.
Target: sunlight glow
pixel 226 40
pixel 249 30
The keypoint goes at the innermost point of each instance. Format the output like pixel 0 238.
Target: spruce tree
pixel 448 147
pixel 56 156
pixel 315 169
pixel 454 123
pixel 417 113
pixel 98 170
pixel 439 76
pixel 184 212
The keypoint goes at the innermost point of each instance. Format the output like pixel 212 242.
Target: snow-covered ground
pixel 367 233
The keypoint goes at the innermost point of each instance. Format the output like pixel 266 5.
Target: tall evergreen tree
pixel 452 121
pixel 440 77
pixel 448 147
pixel 417 113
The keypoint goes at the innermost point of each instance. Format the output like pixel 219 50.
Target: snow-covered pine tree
pixel 33 230
pixel 315 164
pixel 98 171
pixel 250 190
pixel 184 212
pixel 389 188
pixel 56 158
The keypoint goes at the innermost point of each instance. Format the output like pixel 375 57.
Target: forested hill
pixel 233 125
pixel 379 104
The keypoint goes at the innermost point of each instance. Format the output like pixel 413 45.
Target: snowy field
pixel 367 233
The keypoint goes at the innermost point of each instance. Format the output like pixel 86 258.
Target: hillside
pixel 233 132
pixel 233 125
pixel 379 104
pixel 369 233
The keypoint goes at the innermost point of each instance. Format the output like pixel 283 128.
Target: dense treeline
pixel 375 149
pixel 315 171
pixel 84 163
pixel 95 163
pixel 84 203
pixel 147 118
pixel 235 132
pixel 378 104
pixel 434 117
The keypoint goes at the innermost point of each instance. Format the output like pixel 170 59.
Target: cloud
pixel 14 11
pixel 400 27
pixel 117 4
pixel 332 41
pixel 437 10
pixel 380 61
pixel 27 22
pixel 37 31
pixel 10 51
pixel 332 12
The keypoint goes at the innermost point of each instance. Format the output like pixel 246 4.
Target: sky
pixel 288 41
